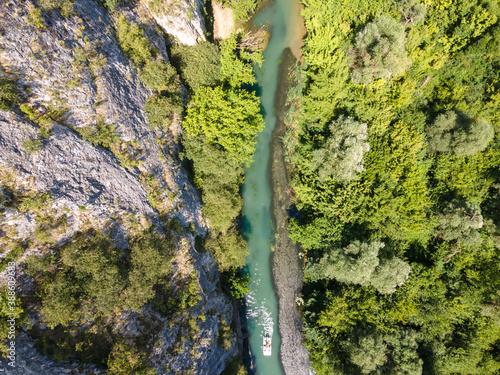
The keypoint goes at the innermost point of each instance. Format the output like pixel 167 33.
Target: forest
pixel 393 147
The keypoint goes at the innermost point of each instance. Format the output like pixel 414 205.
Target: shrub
pixel 161 108
pixel 32 145
pixel 126 359
pixel 64 6
pixel 101 135
pixel 342 154
pixel 229 250
pixel 133 42
pixel 230 118
pixel 159 75
pixel 35 18
pixel 242 9
pixel 8 94
pixel 460 222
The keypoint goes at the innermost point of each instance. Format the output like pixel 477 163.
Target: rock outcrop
pixel 74 66
pixel 183 19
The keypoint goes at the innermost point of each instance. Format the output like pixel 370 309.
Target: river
pixel 261 303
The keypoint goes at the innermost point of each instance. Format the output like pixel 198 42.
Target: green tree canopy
pixel 229 250
pixel 369 353
pixel 353 264
pixel 455 132
pixel 342 155
pixel 389 275
pixel 229 118
pixel 236 64
pixel 159 75
pixel 199 64
pixel 379 51
pixel 459 222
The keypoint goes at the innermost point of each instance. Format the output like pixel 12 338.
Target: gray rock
pixel 88 184
pixel 185 22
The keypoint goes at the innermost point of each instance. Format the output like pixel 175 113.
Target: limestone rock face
pixel 74 65
pixel 182 19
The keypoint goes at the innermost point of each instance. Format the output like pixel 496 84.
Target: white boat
pixel 266 347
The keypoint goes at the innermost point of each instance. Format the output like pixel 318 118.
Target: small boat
pixel 266 347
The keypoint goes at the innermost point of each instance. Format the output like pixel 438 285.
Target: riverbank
pixel 286 267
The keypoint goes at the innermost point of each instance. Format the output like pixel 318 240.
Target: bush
pixel 199 65
pixel 221 205
pixel 460 222
pixel 126 359
pixel 159 75
pixel 161 108
pixel 101 135
pixel 342 154
pixel 35 18
pixel 8 94
pixel 242 9
pixel 64 6
pixel 32 145
pixel 133 42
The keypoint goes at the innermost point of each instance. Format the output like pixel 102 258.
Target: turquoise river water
pixel 262 307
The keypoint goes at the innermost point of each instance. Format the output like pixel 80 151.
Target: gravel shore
pixel 287 268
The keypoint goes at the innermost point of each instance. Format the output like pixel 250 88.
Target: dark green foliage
pixel 150 257
pixel 111 4
pixel 102 135
pixel 159 76
pixel 242 9
pixel 65 7
pixel 8 94
pixel 221 207
pixel 161 108
pixel 199 65
pixel 229 250
pixel 87 278
pixel 133 42
pixel 211 164
pixel 238 283
pixel 379 51
pixel 221 124
pixel 236 65
pixel 126 359
pixel 456 133
pixel 219 178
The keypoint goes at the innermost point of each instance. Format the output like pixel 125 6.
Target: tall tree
pixel 341 157
pixel 457 133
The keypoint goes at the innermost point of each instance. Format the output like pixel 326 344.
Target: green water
pixel 262 307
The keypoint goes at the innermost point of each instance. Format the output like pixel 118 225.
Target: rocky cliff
pixel 72 76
